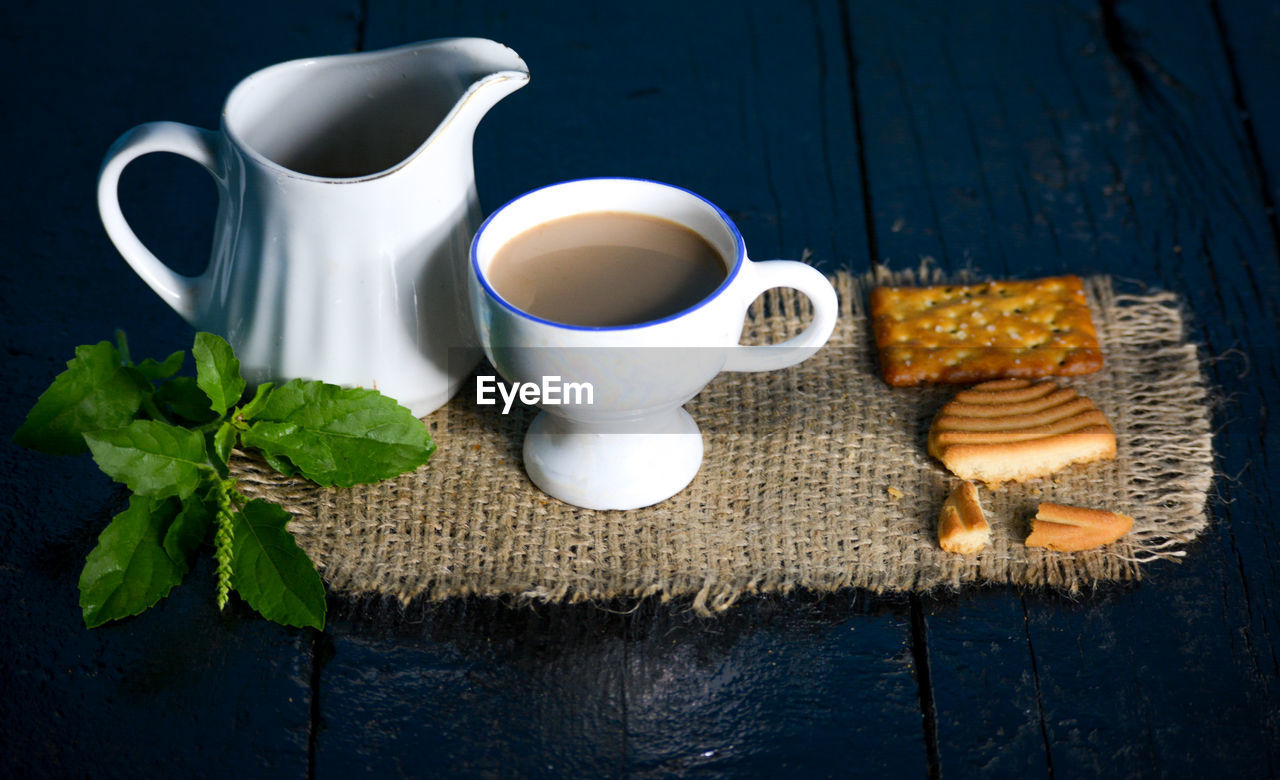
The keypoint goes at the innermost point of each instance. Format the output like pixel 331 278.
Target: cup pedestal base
pixel 614 468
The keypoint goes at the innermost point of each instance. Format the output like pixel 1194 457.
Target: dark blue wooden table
pixel 1139 138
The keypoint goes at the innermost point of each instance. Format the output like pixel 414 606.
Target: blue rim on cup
pixel 739 250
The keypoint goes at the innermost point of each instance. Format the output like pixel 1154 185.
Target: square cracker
pixel 964 333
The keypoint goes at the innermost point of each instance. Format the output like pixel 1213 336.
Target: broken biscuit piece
pixel 962 333
pixel 1014 430
pixel 962 527
pixel 1072 529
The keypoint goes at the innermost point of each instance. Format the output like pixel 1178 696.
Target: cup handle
pixel 175 289
pixel 754 279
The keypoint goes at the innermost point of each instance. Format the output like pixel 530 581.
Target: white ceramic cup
pixel 632 444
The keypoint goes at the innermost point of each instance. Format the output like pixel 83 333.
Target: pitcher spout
pixel 491 70
pixel 361 116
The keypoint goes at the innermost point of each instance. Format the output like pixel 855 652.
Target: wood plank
pixel 472 687
pixel 623 91
pixel 579 690
pixel 1191 70
pixel 1250 29
pixel 181 689
pixel 1029 139
pixel 754 116
pixel 968 156
pixel 984 686
pixel 1226 613
pixel 807 685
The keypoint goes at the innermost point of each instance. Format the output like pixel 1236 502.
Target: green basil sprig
pixel 168 438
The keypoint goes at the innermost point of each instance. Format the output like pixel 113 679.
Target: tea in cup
pixel 616 301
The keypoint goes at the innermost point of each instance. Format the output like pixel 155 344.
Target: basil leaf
pixel 223 441
pixel 281 464
pixel 188 530
pixel 157 371
pixel 129 570
pixel 152 458
pixel 339 436
pixel 96 391
pixel 184 398
pixel 217 372
pixel 270 572
pixel 260 396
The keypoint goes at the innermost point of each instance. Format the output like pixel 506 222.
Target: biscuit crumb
pixel 1071 529
pixel 962 527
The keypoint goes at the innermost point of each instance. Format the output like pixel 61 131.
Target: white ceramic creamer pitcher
pixel 347 204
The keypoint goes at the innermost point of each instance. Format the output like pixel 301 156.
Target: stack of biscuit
pixel 1003 335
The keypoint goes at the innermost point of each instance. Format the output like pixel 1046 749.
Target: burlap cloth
pixel 814 477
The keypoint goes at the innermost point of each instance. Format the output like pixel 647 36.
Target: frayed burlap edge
pixel 815 477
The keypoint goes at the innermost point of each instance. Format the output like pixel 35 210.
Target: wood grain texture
pixel 181 689
pixel 804 685
pixel 757 118
pixel 1248 30
pixel 1017 139
pixel 747 105
pixel 1040 138
pixel 472 687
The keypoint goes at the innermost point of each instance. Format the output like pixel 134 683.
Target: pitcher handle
pixel 177 290
pixel 755 278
